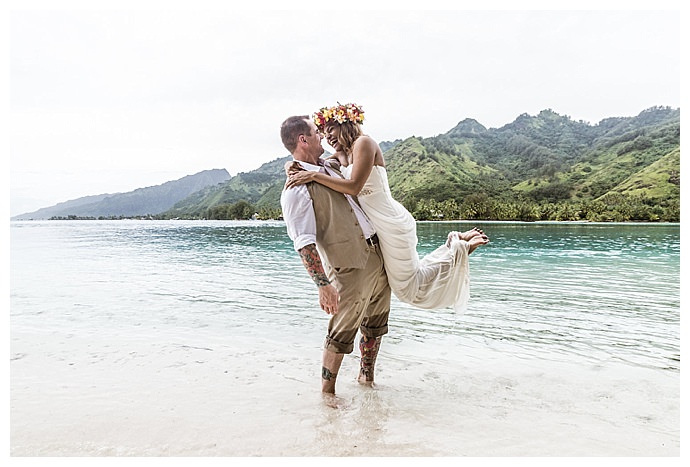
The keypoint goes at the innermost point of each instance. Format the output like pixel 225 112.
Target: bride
pixel 439 279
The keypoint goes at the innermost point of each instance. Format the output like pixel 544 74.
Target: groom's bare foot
pixel 333 401
pixel 364 381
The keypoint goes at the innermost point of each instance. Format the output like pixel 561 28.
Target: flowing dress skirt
pixel 441 279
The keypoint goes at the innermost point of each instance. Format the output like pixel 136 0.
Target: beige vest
pixel 339 236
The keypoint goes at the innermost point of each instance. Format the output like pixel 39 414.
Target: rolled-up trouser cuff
pixel 374 332
pixel 334 346
pixel 338 347
pixel 365 303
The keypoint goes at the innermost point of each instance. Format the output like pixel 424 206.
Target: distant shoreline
pixel 467 221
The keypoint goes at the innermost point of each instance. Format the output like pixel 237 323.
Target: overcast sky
pixel 107 101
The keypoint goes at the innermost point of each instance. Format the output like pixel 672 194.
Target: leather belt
pixel 373 240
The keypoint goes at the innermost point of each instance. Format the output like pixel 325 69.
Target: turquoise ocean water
pixel 579 294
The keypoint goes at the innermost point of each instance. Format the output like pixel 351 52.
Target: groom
pixel 340 251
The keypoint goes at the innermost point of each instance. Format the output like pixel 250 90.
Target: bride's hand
pixel 292 167
pixel 299 178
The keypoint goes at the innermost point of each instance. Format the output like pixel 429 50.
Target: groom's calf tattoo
pixel 369 348
pixel 327 374
pixel 312 261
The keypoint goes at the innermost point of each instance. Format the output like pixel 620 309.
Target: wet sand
pixel 123 395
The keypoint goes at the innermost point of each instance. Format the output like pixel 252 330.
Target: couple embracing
pixel 358 243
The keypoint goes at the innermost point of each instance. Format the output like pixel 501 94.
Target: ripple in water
pixel 587 292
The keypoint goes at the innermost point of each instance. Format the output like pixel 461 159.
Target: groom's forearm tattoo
pixel 312 261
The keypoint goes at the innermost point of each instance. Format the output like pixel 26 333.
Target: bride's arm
pixel 363 155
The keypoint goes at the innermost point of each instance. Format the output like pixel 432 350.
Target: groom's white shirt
pixel 298 211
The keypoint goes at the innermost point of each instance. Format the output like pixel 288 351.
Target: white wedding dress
pixel 440 279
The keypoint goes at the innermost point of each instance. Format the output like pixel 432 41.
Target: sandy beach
pixel 118 395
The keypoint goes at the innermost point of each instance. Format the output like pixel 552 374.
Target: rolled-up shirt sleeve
pixel 298 213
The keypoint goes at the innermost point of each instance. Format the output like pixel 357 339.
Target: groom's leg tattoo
pixel 327 374
pixel 369 349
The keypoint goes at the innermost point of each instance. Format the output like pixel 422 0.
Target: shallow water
pixel 204 338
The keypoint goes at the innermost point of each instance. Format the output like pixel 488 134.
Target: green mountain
pixel 543 167
pixel 140 202
pixel 256 189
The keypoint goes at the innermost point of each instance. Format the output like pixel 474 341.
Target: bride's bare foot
pixel 477 241
pixel 467 236
pixel 470 234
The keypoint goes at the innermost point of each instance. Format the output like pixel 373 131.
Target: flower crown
pixel 340 113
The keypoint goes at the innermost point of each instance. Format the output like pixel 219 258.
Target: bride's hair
pixel 349 132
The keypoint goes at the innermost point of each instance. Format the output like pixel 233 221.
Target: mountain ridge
pixel 139 202
pixel 541 167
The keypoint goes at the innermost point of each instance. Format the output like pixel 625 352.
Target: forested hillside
pixel 543 167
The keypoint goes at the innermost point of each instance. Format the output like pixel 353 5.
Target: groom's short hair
pixel 291 128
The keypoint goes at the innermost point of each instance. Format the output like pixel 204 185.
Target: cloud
pixel 119 99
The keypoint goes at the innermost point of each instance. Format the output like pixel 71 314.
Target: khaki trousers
pixel 365 303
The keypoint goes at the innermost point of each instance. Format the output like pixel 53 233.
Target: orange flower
pixel 340 113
